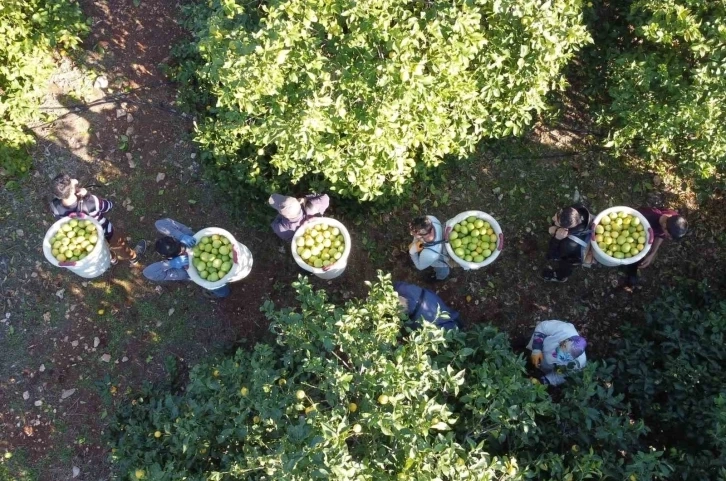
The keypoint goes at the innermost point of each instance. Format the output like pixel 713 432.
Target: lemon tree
pixel 662 63
pixel 355 96
pixel 31 30
pixel 364 400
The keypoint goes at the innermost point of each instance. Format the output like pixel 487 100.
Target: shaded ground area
pixel 73 349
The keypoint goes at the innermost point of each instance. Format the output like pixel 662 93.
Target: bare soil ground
pixel 58 388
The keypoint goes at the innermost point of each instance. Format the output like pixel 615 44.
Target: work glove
pixel 188 241
pixel 536 358
pixel 179 262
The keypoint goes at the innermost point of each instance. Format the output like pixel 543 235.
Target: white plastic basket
pixel 241 256
pixel 495 227
pixel 333 270
pixel 94 264
pixel 609 261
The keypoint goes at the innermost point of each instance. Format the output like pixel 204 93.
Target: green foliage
pixel 30 31
pixel 359 96
pixel 672 372
pixel 457 406
pixel 664 67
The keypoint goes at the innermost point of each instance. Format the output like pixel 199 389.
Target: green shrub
pixel 356 96
pixel 31 30
pixel 458 406
pixel 673 373
pixel 664 71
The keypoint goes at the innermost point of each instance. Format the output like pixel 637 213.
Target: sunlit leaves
pixel 358 93
pixel 29 32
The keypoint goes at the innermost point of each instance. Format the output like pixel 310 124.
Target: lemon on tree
pixel 620 235
pixel 74 240
pixel 320 245
pixel 213 257
pixel 473 239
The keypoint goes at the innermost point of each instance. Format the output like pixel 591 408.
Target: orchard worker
pixel 422 304
pixel 569 244
pixel 427 249
pixel 69 200
pixel 556 348
pixel 173 247
pixel 666 224
pixel 295 212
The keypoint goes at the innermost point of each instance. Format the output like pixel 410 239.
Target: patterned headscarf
pixel 577 346
pixel 288 207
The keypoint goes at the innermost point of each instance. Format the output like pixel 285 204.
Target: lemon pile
pixel 213 257
pixel 620 235
pixel 473 239
pixel 74 240
pixel 320 245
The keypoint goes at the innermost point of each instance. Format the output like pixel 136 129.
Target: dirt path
pixel 58 390
pixel 75 349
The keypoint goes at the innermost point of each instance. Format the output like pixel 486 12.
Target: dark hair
pixel 569 217
pixel 420 224
pixel 61 186
pixel 168 247
pixel 677 226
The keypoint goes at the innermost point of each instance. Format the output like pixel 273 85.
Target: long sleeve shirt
pixel 315 204
pixel 546 338
pixel 653 216
pixel 431 256
pixel 425 304
pixel 91 205
pixel 162 271
pixel 567 249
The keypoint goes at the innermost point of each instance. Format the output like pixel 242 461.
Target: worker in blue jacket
pixel 420 303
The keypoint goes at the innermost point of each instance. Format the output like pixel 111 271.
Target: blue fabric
pixel 179 262
pixel 162 271
pixel 442 272
pixel 423 303
pixel 221 292
pixel 188 241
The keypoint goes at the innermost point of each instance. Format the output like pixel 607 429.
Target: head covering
pixel 313 208
pixel 577 346
pixel 288 207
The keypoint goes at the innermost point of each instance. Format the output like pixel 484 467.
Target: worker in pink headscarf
pixel 295 212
